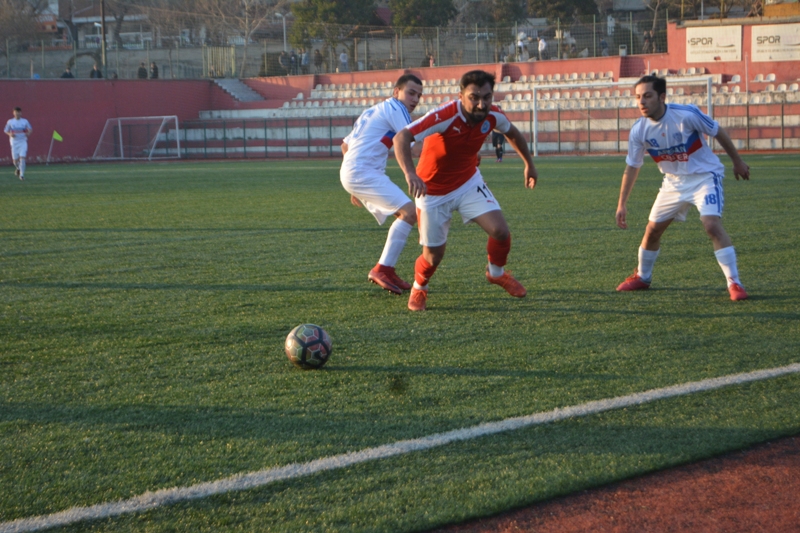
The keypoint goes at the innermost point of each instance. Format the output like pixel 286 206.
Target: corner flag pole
pixel 55 137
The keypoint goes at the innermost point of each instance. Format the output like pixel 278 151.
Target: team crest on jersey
pixel 678 137
pixel 485 127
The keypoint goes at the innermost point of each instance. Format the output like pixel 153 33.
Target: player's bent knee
pixel 407 213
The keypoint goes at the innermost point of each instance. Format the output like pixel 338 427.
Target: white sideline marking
pixel 151 500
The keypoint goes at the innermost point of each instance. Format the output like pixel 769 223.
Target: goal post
pixel 139 138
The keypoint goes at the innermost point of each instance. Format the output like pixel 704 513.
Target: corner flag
pixel 56 137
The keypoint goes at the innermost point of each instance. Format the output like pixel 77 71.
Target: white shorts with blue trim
pixel 19 149
pixel 380 196
pixel 679 193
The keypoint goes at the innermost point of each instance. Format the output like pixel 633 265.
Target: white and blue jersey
pixel 675 142
pixel 369 143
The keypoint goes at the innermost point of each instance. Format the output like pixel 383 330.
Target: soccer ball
pixel 308 346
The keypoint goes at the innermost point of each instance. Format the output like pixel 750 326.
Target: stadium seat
pixel 540 78
pixel 518 97
pixel 527 97
pixel 606 94
pixel 736 89
pixel 735 79
pixel 759 78
pixel 724 89
pixel 781 88
pixel 664 72
pixel 769 88
pixel 523 79
pixel 681 71
pixel 794 87
pixel 679 91
pixel 670 91
pixel 769 77
pixel 557 77
pixel 691 71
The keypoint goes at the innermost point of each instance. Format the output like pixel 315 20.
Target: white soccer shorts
pixel 678 194
pixel 380 196
pixel 471 200
pixel 19 149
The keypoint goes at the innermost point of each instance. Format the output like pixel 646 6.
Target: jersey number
pixel 711 199
pixel 484 190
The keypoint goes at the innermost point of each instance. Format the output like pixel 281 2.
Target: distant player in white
pixel 363 175
pixel 18 130
pixel 673 136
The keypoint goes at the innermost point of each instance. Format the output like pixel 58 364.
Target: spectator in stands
pixel 283 61
pixel 317 61
pixel 304 61
pixel 542 49
pixel 343 67
pixel 647 43
pixel 96 73
pixel 293 63
pixel 524 55
pixel 142 72
pixel 67 74
pixel 153 71
pixel 603 47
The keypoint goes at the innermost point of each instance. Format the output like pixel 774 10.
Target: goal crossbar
pixel 149 138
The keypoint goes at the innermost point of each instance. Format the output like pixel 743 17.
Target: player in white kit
pixel 18 130
pixel 363 175
pixel 673 136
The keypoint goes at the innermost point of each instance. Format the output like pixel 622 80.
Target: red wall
pixel 78 109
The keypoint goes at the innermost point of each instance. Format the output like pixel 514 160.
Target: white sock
pixel 647 259
pixel 420 287
pixel 395 242
pixel 495 271
pixel 22 167
pixel 726 257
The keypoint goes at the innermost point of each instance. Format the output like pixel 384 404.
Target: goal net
pixel 142 138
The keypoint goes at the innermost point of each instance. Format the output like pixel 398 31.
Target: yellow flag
pixel 57 137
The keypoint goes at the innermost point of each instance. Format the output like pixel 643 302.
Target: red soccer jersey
pixel 450 153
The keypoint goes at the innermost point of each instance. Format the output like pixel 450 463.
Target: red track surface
pixel 756 490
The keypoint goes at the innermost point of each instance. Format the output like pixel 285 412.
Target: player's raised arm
pixel 520 145
pixel 402 151
pixel 740 168
pixel 628 180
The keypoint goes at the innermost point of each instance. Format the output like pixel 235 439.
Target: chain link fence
pixel 193 54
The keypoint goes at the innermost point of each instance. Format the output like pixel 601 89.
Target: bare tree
pixel 242 18
pixel 18 20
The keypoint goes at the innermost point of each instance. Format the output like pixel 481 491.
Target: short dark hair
pixel 477 77
pixel 405 78
pixel 659 84
pixel 18 108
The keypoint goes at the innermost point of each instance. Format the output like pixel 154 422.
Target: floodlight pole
pixel 103 37
pixel 283 19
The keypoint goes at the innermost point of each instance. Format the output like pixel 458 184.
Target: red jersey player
pixel 454 134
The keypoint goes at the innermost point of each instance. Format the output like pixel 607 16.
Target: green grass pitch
pixel 143 310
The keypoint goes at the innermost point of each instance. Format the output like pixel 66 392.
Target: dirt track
pixel 755 490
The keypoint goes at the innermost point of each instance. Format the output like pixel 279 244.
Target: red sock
pixel 423 271
pixel 498 251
